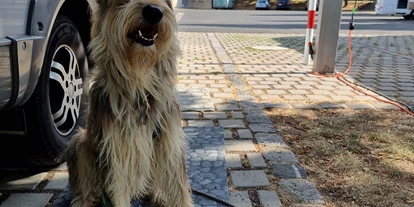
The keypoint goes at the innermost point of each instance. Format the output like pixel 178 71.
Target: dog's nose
pixel 152 14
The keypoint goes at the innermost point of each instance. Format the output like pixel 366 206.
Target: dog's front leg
pixel 119 195
pixel 172 181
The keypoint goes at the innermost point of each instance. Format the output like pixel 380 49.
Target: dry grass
pixel 355 158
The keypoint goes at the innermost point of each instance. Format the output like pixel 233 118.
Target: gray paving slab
pixel 58 181
pixel 249 178
pixel 289 171
pixel 262 127
pixel 215 115
pixel 233 161
pixel 200 123
pixel 189 115
pixel 27 200
pixel 270 140
pixel 239 145
pixel 256 160
pixel 280 156
pixel 386 106
pixel 302 191
pixel 21 180
pixel 228 134
pixel 244 134
pixel 258 118
pixel 234 123
pixel 227 107
pixel 240 199
pixel 237 115
pixel 207 171
pixel 195 99
pixel 359 105
pixel 269 198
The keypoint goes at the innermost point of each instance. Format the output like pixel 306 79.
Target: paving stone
pixel 280 156
pixel 237 115
pixel 317 97
pixel 227 134
pixel 289 171
pixel 189 115
pixel 341 98
pixel 386 106
pixel 233 161
pixel 252 110
pixel 256 160
pixel 262 128
pixel 331 105
pixel 245 104
pixel 277 105
pixel 200 123
pixel 206 163
pixel 258 118
pixel 227 107
pixel 240 199
pixel 27 200
pixel 239 145
pixel 270 140
pixel 232 123
pixel 269 198
pixel 250 178
pixel 215 115
pixel 59 181
pixel 244 134
pixel 195 99
pixel 21 180
pixel 306 106
pixel 359 105
pixel 301 190
pixel 276 92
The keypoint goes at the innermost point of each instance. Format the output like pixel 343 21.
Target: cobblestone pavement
pixel 226 81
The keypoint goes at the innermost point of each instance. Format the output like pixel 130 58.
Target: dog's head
pixel 138 31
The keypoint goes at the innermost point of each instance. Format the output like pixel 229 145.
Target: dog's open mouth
pixel 145 35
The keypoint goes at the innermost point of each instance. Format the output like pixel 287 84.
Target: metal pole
pixel 329 22
pixel 309 30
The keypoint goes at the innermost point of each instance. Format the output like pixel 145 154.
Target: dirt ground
pixel 354 157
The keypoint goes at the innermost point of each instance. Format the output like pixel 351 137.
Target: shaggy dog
pixel 133 145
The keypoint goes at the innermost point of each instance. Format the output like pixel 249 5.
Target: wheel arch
pixel 44 13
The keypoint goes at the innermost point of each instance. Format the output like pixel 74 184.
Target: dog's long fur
pixel 133 94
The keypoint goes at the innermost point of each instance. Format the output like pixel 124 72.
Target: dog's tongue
pixel 148 31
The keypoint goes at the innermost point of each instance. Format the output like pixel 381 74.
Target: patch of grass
pixel 355 158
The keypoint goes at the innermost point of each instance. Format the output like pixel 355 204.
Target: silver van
pixel 43 76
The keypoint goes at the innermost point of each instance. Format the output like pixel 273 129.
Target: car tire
pixel 56 109
pixel 408 17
